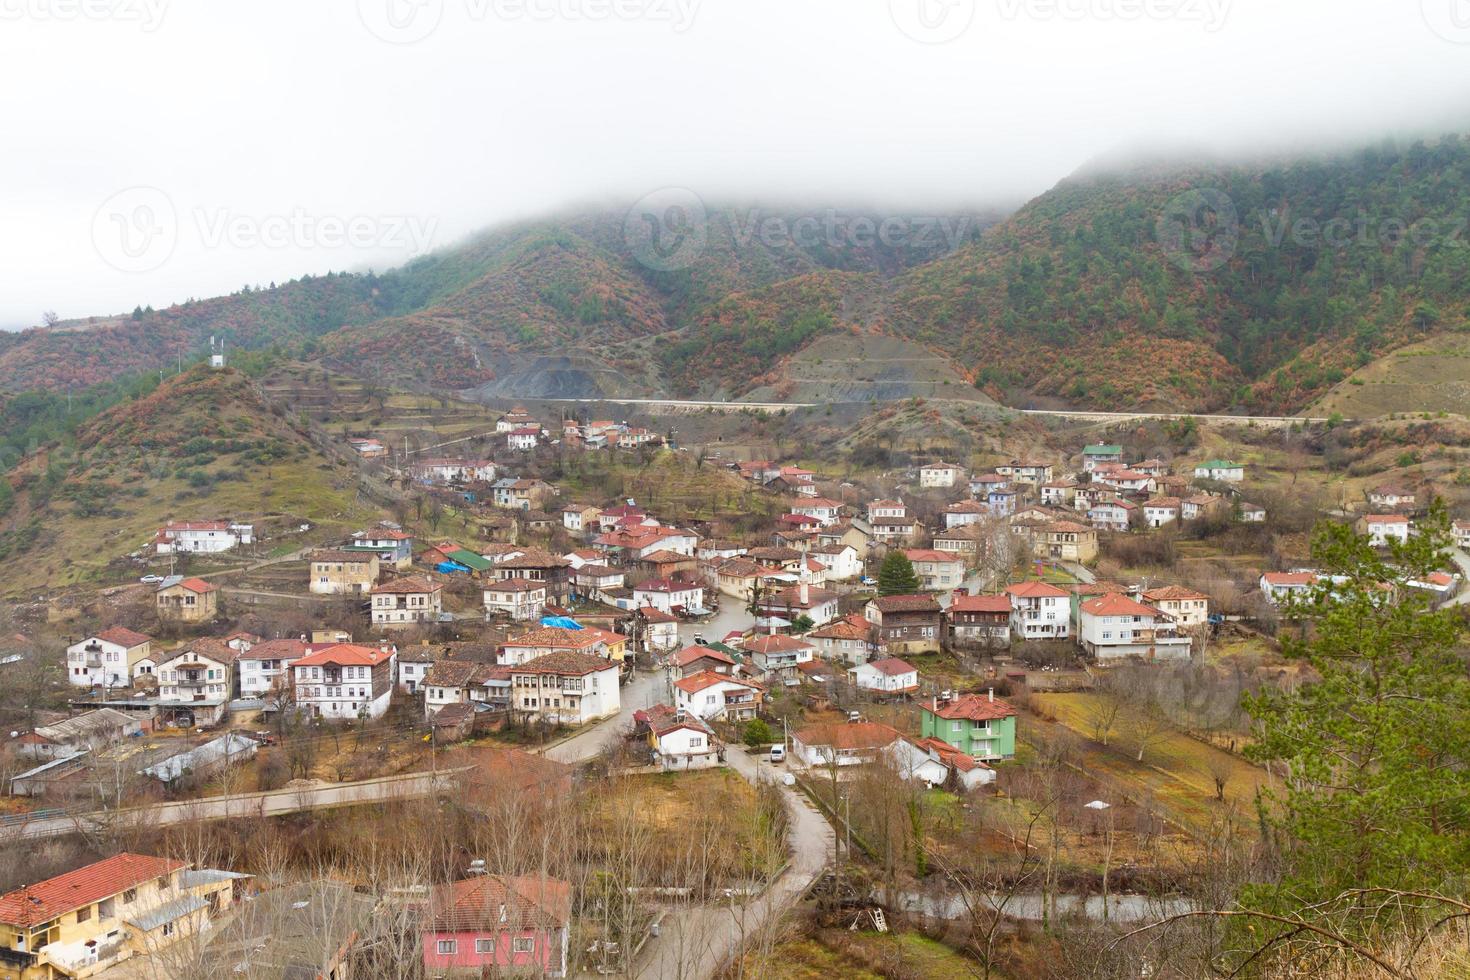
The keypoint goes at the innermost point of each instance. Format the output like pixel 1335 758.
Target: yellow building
pixel 190 600
pixel 343 572
pixel 80 923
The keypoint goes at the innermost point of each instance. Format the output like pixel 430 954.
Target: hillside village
pixel 1058 636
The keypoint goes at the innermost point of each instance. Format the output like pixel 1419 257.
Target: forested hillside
pixel 1256 287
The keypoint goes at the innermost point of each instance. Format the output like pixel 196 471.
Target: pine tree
pixel 896 575
pixel 1377 745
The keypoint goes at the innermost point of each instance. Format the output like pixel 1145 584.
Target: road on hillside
pixel 1077 415
pixel 268 804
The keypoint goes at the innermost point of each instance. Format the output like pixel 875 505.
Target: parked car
pixel 778 754
pixel 151 579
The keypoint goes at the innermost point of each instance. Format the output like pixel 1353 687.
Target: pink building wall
pixel 547 956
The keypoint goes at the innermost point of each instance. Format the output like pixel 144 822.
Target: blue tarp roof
pixel 562 621
pixel 449 567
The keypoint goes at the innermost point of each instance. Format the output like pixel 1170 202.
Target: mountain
pixel 202 445
pixel 1198 288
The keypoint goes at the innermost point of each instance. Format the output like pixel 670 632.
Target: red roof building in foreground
pixel 495 924
pixel 54 897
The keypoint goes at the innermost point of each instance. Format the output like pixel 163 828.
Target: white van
pixel 778 754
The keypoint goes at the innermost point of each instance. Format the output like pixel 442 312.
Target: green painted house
pixel 981 725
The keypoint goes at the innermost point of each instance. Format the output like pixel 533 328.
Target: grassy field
pixel 1177 771
pixel 1430 376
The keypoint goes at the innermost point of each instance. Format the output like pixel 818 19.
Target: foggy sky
pixel 272 138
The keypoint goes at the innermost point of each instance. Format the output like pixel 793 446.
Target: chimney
pixel 936 704
pixel 806 593
pixel 990 695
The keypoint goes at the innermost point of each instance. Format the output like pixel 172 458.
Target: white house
pixel 406 602
pixel 523 440
pixel 887 512
pixel 195 683
pixel 201 537
pixel 824 511
pixel 1383 528
pixel 1028 472
pixel 265 665
pixel 519 598
pixel 1222 470
pixel 847 640
pixel 1252 513
pixel 837 744
pixel 940 475
pixel 669 595
pixel 1129 481
pixel 1392 497
pixel 107 659
pixel 345 681
pixel 841 561
pixel 778 653
pixel 1161 511
pixel 566 687
pixel 887 676
pixel 1462 535
pixel 938 571
pixel 1040 611
pixel 660 630
pixel 1114 626
pixel 711 695
pixel 1280 586
pixel 1111 515
pixel 679 739
pixel 965 512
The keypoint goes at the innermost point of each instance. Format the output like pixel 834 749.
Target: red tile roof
pixel 971 707
pixel 198 585
pixel 1116 604
pixel 48 899
pixel 695 683
pixel 778 643
pixel 852 735
pixel 413 584
pixel 557 638
pixel 123 637
pixel 494 903
pixel 980 604
pixel 689 655
pixel 345 655
pixel 1170 593
pixel 892 666
pixel 565 663
pixel 1035 590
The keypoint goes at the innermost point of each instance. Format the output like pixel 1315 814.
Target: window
pixel 484 945
pixel 131 895
pixel 447 947
pixel 525 944
pixel 84 913
pixel 168 928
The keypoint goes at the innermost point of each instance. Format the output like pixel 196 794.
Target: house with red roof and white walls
pixel 107 658
pixel 346 681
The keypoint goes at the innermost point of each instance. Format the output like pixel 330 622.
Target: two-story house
pixel 1093 455
pixel 85 921
pixel 938 571
pixel 669 595
pixel 493 925
pixel 979 725
pixel 777 653
pixel 558 639
pixel 196 682
pixel 711 695
pixel 201 537
pixel 905 623
pixel 1039 611
pixel 566 688
pixel 1114 626
pixel 1066 541
pixel 346 681
pixel 552 571
pixel 1383 528
pixel 343 572
pixel 266 666
pixel 107 659
pixel 979 621
pixel 1186 607
pixel 940 476
pixel 393 546
pixel 519 598
pixel 405 602
pixel 186 600
pixel 848 640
